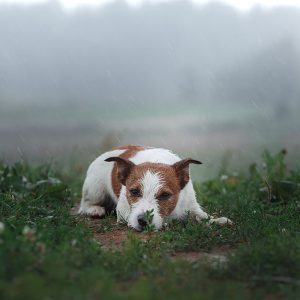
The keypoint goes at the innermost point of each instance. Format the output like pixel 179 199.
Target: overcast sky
pixel 240 4
pixel 166 52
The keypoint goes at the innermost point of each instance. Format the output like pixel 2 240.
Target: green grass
pixel 46 253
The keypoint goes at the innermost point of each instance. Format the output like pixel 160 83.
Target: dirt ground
pixel 110 235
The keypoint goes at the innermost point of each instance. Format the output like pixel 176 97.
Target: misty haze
pixel 207 81
pixel 88 212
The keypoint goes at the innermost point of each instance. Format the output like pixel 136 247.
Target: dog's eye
pixel 164 196
pixel 135 192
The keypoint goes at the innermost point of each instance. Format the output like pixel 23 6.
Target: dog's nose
pixel 141 220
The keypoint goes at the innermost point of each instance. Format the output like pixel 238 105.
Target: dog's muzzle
pixel 141 220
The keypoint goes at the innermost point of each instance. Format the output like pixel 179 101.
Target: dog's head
pixel 152 187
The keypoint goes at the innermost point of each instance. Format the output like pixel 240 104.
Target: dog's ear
pixel 124 167
pixel 182 170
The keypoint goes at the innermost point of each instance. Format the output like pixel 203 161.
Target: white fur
pixel 155 155
pixel 98 186
pixel 151 183
pixel 187 202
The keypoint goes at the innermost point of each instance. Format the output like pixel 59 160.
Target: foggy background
pixel 206 81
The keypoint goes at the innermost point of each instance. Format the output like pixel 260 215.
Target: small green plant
pixel 148 219
pixel 274 165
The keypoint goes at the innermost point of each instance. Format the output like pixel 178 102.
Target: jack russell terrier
pixel 135 179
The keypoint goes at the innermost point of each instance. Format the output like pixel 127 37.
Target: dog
pixel 136 179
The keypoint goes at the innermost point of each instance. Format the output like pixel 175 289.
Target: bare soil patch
pixel 218 254
pixel 110 235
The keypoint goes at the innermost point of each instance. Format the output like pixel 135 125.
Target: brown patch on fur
pixel 130 147
pixel 131 151
pixel 170 185
pixel 174 178
pixel 182 170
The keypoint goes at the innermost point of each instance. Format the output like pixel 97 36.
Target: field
pixel 47 252
pixel 234 134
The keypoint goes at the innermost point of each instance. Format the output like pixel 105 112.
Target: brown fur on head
pixel 173 179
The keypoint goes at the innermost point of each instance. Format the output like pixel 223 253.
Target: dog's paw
pixel 221 221
pixel 94 211
pixel 200 217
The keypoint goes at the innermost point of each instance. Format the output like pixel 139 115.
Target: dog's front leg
pixel 200 215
